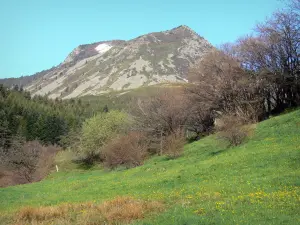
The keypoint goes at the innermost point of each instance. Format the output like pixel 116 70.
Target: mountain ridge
pixel 100 67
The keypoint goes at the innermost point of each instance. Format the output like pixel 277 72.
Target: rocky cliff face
pixel 120 65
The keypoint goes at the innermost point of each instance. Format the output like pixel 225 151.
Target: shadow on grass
pixel 218 152
pixel 87 163
pixel 221 147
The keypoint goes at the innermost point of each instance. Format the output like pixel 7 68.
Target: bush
pixel 26 161
pixel 99 130
pixel 128 150
pixel 45 161
pixel 232 129
pixel 174 144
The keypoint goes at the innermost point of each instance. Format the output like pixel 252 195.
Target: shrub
pixel 163 113
pixel 232 129
pixel 221 84
pixel 173 144
pixel 26 161
pixel 99 130
pixel 45 161
pixel 128 150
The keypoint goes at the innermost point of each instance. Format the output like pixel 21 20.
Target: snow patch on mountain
pixel 102 48
pixel 101 67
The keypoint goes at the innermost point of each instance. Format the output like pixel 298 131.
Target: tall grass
pixel 118 210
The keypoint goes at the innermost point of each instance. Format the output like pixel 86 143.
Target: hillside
pixel 255 183
pixel 117 65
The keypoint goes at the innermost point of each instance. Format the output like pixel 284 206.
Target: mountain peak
pixel 183 27
pixel 101 67
pixel 182 31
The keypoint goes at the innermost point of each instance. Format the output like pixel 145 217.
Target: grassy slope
pixel 126 99
pixel 256 183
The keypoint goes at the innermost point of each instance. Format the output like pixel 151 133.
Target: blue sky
pixel 38 34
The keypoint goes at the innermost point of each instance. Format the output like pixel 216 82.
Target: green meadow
pixel 257 182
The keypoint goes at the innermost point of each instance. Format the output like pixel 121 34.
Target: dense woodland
pixel 34 128
pixel 39 118
pixel 239 84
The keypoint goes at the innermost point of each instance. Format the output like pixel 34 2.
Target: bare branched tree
pixel 165 112
pixel 273 56
pixel 24 158
pixel 294 5
pixel 29 161
pixel 221 85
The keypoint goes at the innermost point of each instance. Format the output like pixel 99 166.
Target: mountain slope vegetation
pixel 132 165
pixel 255 183
pixel 117 65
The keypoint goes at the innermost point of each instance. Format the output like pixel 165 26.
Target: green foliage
pixel 254 183
pixel 39 117
pixel 99 129
pixel 32 118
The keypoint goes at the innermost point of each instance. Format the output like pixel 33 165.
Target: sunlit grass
pixel 255 183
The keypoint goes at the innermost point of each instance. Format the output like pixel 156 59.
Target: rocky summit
pixel 92 69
